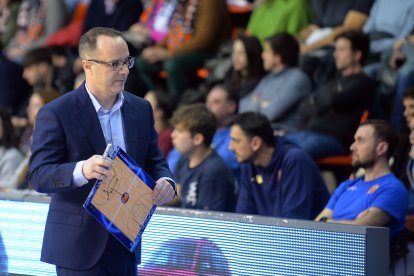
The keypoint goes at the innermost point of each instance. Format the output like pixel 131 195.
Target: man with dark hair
pixel 401 158
pixel 204 181
pixel 334 110
pixel 378 198
pixel 223 104
pixel 408 103
pixel 279 93
pixel 277 179
pixel 38 69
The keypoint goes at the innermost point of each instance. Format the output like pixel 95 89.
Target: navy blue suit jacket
pixel 67 130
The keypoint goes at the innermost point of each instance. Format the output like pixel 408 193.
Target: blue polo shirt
pixel 387 193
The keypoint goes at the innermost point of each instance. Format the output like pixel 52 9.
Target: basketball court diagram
pixel 124 199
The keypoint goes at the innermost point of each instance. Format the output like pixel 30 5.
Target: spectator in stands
pixel 277 179
pixel 153 24
pixel 279 93
pixel 62 60
pixel 410 168
pixel 69 35
pixel 247 66
pixel 38 69
pixel 163 108
pixel 37 100
pixel 408 103
pixel 116 14
pixel 8 20
pixel 14 91
pixel 223 104
pixel 400 161
pixel 378 198
pixel 331 19
pixel 203 179
pixel 400 158
pixel 36 21
pixel 194 36
pixel 402 63
pixel 270 17
pixel 10 156
pixel 334 110
pixel 387 22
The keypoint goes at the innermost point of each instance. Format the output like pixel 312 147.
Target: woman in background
pixel 36 102
pixel 162 107
pixel 10 156
pixel 247 67
pixel 8 20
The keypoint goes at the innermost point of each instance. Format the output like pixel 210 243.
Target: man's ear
pixel 382 148
pixel 256 143
pixel 358 56
pixel 198 139
pixel 233 107
pixel 85 65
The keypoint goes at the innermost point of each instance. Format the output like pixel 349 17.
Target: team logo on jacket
pixel 259 179
pixel 373 189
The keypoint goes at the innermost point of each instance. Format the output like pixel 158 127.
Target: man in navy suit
pixel 70 134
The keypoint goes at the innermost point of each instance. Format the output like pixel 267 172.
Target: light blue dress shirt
pixel 112 128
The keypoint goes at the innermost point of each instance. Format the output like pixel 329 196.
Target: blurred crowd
pixel 312 70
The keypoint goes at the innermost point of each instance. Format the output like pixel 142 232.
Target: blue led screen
pixel 201 243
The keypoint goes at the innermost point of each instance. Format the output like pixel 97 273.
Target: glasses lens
pixel 130 62
pixel 116 65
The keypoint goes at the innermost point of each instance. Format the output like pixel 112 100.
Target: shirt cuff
pixel 172 183
pixel 78 178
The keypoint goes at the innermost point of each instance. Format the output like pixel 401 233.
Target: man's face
pixel 240 144
pixel 411 127
pixel 102 78
pixel 408 109
pixel 344 57
pixel 150 96
pixel 35 103
pixel 35 74
pixel 364 147
pixel 270 59
pixel 218 104
pixel 182 140
pixel 239 57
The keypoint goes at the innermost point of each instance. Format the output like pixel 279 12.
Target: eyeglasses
pixel 117 64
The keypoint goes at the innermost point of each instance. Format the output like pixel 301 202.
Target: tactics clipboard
pixel 123 204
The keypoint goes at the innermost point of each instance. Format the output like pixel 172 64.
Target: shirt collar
pixel 98 107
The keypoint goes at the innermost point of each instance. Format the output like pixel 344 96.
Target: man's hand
pixel 98 167
pixel 163 192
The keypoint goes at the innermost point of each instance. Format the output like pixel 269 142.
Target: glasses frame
pixel 117 64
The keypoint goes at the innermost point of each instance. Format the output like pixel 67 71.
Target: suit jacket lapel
pixel 129 117
pixel 88 120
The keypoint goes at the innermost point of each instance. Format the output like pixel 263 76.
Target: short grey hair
pixel 87 42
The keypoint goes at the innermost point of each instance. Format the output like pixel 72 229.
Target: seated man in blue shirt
pixel 378 198
pixel 277 178
pixel 204 181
